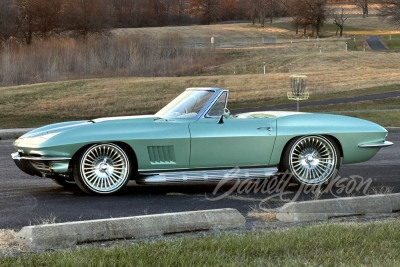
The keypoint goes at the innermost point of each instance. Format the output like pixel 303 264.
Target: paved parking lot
pixel 26 200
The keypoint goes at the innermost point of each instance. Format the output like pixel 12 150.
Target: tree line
pixel 26 19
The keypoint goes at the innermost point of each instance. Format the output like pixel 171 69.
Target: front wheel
pixel 311 160
pixel 102 169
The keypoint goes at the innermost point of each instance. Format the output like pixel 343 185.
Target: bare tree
pixel 316 14
pixel 363 4
pixel 137 13
pixel 338 20
pixel 261 7
pixel 8 19
pixel 265 9
pixel 182 7
pixel 86 16
pixel 206 11
pixel 390 10
pixel 229 9
pixel 37 16
pixel 308 13
pixel 274 9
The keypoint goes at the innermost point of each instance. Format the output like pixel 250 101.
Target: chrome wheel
pixel 313 160
pixel 103 169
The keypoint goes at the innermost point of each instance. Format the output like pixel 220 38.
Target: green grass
pixel 393 42
pixel 385 112
pixel 370 244
pixel 36 105
pixel 383 104
pixel 316 96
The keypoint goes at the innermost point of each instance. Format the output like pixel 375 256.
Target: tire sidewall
pixel 285 165
pixel 80 181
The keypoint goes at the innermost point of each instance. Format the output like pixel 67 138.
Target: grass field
pixel 35 105
pixel 385 112
pixel 332 73
pixel 280 27
pixel 367 244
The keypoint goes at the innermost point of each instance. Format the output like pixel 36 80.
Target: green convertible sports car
pixel 194 138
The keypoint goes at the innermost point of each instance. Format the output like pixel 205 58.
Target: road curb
pixel 63 235
pixel 321 210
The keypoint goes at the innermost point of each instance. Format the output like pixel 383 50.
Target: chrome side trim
pixel 207 175
pixel 369 145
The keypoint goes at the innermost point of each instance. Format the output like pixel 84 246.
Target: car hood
pixel 74 125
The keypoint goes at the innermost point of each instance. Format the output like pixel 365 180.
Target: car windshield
pixel 186 105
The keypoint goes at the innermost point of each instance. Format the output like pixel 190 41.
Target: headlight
pixel 33 141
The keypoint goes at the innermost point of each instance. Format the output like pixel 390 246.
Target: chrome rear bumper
pixel 376 145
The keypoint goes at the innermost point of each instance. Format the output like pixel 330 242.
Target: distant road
pixel 375 43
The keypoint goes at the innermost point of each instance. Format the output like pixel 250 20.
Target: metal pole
pixel 298 105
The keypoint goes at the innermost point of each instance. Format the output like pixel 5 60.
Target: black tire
pixel 311 160
pixel 102 169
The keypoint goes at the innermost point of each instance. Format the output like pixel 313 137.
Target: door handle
pixel 268 128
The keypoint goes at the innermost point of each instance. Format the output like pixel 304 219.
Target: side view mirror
pixel 226 115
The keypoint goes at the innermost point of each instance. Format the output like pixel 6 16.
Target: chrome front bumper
pixel 40 165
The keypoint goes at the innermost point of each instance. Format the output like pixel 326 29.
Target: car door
pixel 163 145
pixel 235 142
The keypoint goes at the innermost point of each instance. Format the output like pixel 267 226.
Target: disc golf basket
pixel 298 93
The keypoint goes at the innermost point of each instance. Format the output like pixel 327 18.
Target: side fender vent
pixel 161 154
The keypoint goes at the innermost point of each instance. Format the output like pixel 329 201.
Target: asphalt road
pixel 26 200
pixel 375 43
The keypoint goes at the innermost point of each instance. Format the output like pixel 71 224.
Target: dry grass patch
pixel 381 190
pixel 198 32
pixel 370 25
pixel 7 240
pixel 268 216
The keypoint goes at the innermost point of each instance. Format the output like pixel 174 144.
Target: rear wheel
pixel 311 160
pixel 102 169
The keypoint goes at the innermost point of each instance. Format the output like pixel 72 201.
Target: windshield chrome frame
pixel 208 106
pixel 216 98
